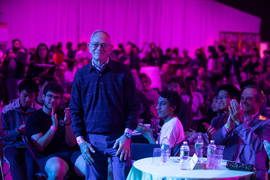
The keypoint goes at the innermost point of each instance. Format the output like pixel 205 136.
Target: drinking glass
pixel 219 155
pixel 156 160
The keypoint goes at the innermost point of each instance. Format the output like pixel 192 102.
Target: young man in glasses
pixel 51 134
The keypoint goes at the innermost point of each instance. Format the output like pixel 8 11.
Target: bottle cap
pixel 212 141
pixel 185 142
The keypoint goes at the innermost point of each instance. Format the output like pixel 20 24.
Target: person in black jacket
pixel 14 67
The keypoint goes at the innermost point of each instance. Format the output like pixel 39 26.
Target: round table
pixel 143 170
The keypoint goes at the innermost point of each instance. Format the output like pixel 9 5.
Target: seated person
pixel 151 94
pixel 185 115
pixel 194 98
pixel 13 117
pixel 168 107
pixel 245 131
pixel 41 57
pixel 43 82
pixel 51 135
pixel 226 93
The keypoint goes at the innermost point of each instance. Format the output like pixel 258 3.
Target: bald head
pixel 100 31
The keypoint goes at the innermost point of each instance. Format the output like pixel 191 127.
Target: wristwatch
pixel 127 135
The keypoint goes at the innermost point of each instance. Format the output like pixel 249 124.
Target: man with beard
pixel 14 67
pixel 51 134
pixel 245 131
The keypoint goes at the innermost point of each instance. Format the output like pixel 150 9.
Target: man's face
pixel 100 46
pixel 192 83
pixel 128 49
pixel 255 78
pixel 16 45
pixel 164 108
pixel 201 72
pixel 26 99
pixel 145 84
pixel 248 100
pixel 84 47
pixel 223 100
pixel 51 100
pixel 175 87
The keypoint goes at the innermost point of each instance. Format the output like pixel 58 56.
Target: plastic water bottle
pixel 210 163
pixel 165 150
pixel 199 148
pixel 184 155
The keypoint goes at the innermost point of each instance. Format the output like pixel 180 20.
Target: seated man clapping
pixel 168 106
pixel 245 131
pixel 51 134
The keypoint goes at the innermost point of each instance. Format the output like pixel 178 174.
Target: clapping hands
pixel 236 114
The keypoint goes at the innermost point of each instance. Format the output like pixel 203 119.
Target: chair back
pixel 142 150
pixel 29 147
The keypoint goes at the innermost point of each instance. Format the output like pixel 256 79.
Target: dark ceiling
pixel 259 8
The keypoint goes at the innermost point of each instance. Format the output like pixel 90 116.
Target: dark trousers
pixel 22 165
pixel 103 145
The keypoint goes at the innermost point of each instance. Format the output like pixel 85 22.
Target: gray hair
pixel 259 97
pixel 99 31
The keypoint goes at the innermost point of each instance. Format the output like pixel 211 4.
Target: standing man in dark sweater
pixel 104 109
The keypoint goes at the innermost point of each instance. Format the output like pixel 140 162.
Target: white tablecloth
pixel 143 170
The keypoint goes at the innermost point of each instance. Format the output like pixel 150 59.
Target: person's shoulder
pixel 11 106
pixel 81 72
pixel 8 108
pixel 118 67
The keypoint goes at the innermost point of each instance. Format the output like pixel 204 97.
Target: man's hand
pixel 143 129
pixel 123 144
pixel 11 55
pixel 236 112
pixel 67 116
pixel 54 118
pixel 21 129
pixel 210 129
pixel 85 149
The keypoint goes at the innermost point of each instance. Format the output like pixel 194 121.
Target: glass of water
pixel 219 155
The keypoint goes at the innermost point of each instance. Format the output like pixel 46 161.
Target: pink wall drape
pixel 183 23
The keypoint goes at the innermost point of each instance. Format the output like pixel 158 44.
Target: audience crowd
pixel 207 90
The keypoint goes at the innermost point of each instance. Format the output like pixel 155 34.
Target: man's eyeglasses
pixel 103 45
pixel 223 97
pixel 173 85
pixel 54 97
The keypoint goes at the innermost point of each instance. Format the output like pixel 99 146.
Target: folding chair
pixel 2 161
pixel 41 174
